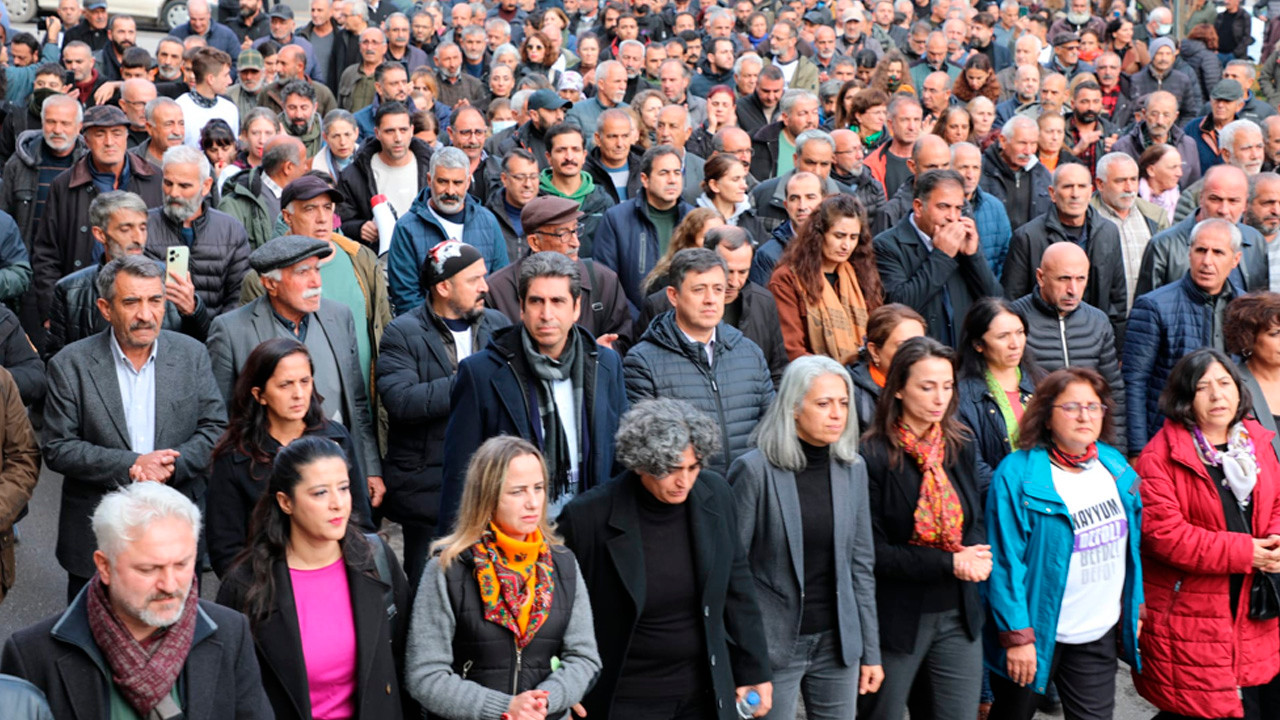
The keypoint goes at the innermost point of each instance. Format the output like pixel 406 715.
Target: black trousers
pixel 698 706
pixel 1085 676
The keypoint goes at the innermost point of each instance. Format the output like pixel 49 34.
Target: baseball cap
pixel 547 100
pixel 250 60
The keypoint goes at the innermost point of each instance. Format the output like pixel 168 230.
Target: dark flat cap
pixel 1227 89
pixel 818 16
pixel 104 116
pixel 547 210
pixel 1065 37
pixel 307 187
pixel 548 100
pixel 285 251
pixel 282 11
pixel 95 5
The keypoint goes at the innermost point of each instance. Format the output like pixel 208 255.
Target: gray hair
pixel 1248 68
pixel 729 237
pixel 259 113
pixel 1256 181
pixel 603 68
pixel 498 23
pixel 502 51
pixel 1015 122
pixel 1103 170
pixel 475 29
pixel 339 115
pixel 653 434
pixel 55 100
pixel 815 134
pixel 615 113
pixel 956 148
pixel 448 157
pixel 149 110
pixel 273 158
pixel 630 43
pixel 1227 135
pixel 358 7
pixel 1237 239
pixel 139 266
pixel 124 515
pixel 548 264
pixel 688 121
pixel 744 58
pixel 694 260
pixel 110 203
pixel 791 97
pixel 445 46
pixel 776 434
pixel 187 155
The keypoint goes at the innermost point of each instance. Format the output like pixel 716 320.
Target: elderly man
pixel 1225 103
pixel 1241 145
pixel 394 164
pixel 356 86
pixel 1160 74
pixel 1137 220
pixel 166 128
pixel 1066 55
pixel 454 84
pixel 1179 317
pixel 935 97
pixel 673 78
pixel 612 160
pixel 468 132
pixel 291 63
pixel 1263 215
pixel 253 197
pixel 1072 219
pixel 98 656
pixel 399 50
pixel 934 60
pixel 929 153
pixel 802 191
pixel 1026 90
pixel 248 91
pixel 63 243
pixel 611 89
pixel 1246 73
pixel 1026 53
pixel 200 23
pixel 119 222
pixel 987 211
pixel 1009 173
pixel 135 93
pixel 289 269
pixel 132 403
pixel 1159 125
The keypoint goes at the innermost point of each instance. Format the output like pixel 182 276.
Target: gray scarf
pixel 555 444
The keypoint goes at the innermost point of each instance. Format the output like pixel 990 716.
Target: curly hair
pixel 1247 318
pixel 880 78
pixel 804 254
pixel 990 89
pixel 654 434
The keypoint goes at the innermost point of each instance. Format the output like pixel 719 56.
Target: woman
pixel 925 482
pixel 533 57
pixel 501 81
pixel 867 113
pixel 274 403
pixel 1063 515
pixel 507 54
pixel 721 113
pixel 1090 45
pixel 804 521
pixel 826 282
pixel 688 234
pixel 219 146
pixel 1050 146
pixel 647 104
pixel 1200 51
pixel 683 635
pixel 502 604
pixel 1209 497
pixel 982 116
pixel 588 57
pixel 1252 331
pixel 978 79
pixel 954 125
pixel 888 326
pixel 340 134
pixel 724 189
pixel 997 376
pixel 1159 172
pixel 892 74
pixel 1119 39
pixel 326 603
pixel 259 126
pixel 757 30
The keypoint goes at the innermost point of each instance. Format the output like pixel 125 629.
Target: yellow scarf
pixel 519 557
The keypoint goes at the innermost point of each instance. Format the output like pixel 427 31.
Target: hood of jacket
pixel 585 187
pixel 29 147
pixel 421 207
pixel 664 333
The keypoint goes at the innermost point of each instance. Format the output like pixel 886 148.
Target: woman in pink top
pixel 328 605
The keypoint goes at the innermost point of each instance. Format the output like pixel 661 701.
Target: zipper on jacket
pixel 466 668
pixel 515 678
pixel 1062 333
pixel 724 429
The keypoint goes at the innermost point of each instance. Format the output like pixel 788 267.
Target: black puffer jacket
pixel 75 314
pixel 1083 338
pixel 414 375
pixel 20 359
pixel 358 187
pixel 1183 86
pixel 866 394
pixel 22 180
pixel 980 413
pixel 734 390
pixel 1025 193
pixel 1206 68
pixel 219 255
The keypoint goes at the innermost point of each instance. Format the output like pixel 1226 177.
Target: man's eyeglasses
pixel 562 235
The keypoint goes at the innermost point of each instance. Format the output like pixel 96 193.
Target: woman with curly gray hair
pixel 805 521
pixel 683 636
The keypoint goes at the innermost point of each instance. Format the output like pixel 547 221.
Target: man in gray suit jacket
pixel 289 269
pixel 131 403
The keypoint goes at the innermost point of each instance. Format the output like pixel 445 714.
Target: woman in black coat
pixel 274 403
pixel 327 605
pixel 888 326
pixel 926 489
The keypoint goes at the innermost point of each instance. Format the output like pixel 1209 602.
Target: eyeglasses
pixel 1091 409
pixel 469 133
pixel 525 179
pixel 561 236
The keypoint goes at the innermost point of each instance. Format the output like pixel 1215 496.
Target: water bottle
pixel 749 704
pixel 384 216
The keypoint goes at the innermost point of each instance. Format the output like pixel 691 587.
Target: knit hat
pixel 1159 43
pixel 445 260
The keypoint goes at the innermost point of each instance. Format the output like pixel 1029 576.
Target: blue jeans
pixel 830 689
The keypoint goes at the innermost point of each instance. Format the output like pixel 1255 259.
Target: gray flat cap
pixel 285 251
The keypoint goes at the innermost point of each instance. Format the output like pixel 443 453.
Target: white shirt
pixel 462 343
pixel 788 69
pixel 196 117
pixel 708 348
pixel 399 184
pixel 1095 578
pixel 138 396
pixel 452 230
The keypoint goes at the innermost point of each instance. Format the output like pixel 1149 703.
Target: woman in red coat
pixel 1211 521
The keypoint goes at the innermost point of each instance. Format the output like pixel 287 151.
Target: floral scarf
pixel 1064 459
pixel 515 581
pixel 939 516
pixel 1239 463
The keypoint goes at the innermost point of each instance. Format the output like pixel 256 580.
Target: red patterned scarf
pixel 515 581
pixel 939 517
pixel 1062 458
pixel 144 672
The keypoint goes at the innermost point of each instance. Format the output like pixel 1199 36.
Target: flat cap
pixel 818 16
pixel 282 11
pixel 307 187
pixel 1065 37
pixel 95 5
pixel 285 251
pixel 250 60
pixel 548 100
pixel 104 116
pixel 547 210
pixel 1227 89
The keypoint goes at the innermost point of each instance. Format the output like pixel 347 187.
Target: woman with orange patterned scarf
pixel 502 624
pixel 925 482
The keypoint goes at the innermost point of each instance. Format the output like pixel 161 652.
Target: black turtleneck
pixel 813 485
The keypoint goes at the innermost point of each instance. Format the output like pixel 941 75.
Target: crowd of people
pixel 713 359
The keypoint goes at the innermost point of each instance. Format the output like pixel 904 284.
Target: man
pixel 1088 133
pixel 551 225
pixel 611 89
pixel 573 386
pixel 691 354
pixel 444 210
pixel 888 163
pixel 884 28
pixel 631 55
pixel 78 59
pixel 169 59
pixel 1026 90
pixel 292 307
pixel 987 211
pixel 120 224
pixel 253 198
pixel 165 129
pixel 1052 98
pixel 546 108
pixel 142 596
pixel 40 156
pixel 291 63
pixel 803 192
pixel 634 234
pixel 467 132
pixel 282 33
pixel 1137 220
pixel 1159 25
pixel 454 84
pixel 1263 215
pixel 1225 103
pixel 934 60
pixel 1159 125
pixel 92 28
pixel 1066 55
pixel 746 74
pixel 1225 197
pixel 565 178
pixel 932 260
pixel 248 92
pixel 1117 103
pixel 200 23
pixel 329 42
pixel 1026 53
pixel 1063 329
pixel 674 128
pixel 48 83
pixel 673 77
pixel 654 55
pixel 63 243
pixel 476 55
pixel 1160 74
pixel 935 97
pixel 299 117
pixel 848 168
pixel 982 31
pixel 211 69
pixel 1072 219
pixel 396 28
pixel 132 403
pixel 391 83
pixel 250 23
pixel 1271 127
pixel 519 186
pixel 356 88
pixel 122 33
pixel 1179 317
pixel 394 163
pixel 1010 173
pixel 718 69
pixel 135 93
pixel 1241 145
pixel 760 107
pixel 929 153
pixel 1246 73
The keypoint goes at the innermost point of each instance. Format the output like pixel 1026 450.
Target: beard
pixel 450 204
pixel 299 127
pixel 121 47
pixel 181 210
pixel 248 11
pixel 1088 118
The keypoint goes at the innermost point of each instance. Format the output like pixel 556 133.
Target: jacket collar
pixel 1038 480
pixel 80 174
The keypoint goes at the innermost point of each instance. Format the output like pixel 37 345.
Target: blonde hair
pixel 486 476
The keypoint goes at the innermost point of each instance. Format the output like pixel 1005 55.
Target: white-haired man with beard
pixel 166 128
pixel 219 245
pixel 138 640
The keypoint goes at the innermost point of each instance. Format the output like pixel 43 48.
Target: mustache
pixel 140 325
pixel 449 199
pixel 311 293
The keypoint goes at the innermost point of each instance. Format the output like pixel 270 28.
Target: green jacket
pixel 243 201
pixel 593 200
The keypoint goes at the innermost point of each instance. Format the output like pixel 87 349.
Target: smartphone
pixel 177 260
pixel 1023 11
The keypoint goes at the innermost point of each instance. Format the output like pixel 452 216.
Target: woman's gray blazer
pixel 1260 409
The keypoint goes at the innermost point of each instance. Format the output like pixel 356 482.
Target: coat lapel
pixel 368 609
pixel 86 695
pixel 203 663
pixel 108 387
pixel 784 488
pixel 168 374
pixel 705 521
pixel 279 639
pixel 625 547
pixel 842 522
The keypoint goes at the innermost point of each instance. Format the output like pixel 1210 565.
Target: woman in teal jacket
pixel 1063 516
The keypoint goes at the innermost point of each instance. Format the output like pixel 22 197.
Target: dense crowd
pixel 892 357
